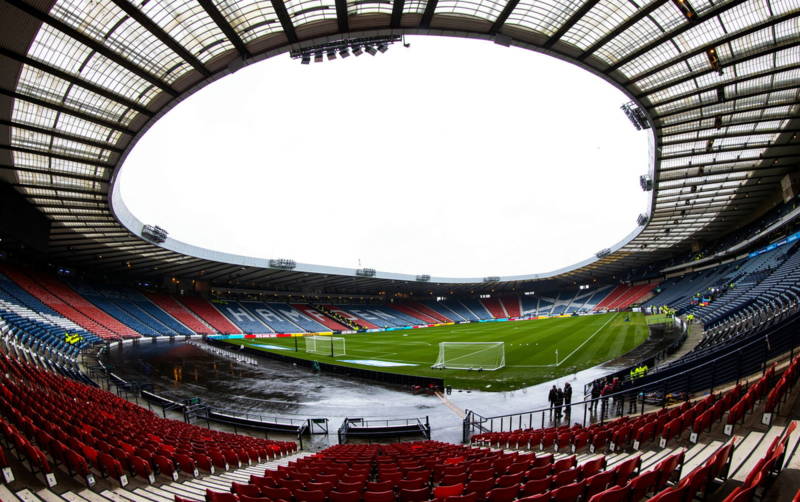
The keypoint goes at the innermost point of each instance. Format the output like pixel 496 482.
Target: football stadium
pixel 136 367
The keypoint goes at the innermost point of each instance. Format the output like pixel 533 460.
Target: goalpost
pixel 325 345
pixel 487 356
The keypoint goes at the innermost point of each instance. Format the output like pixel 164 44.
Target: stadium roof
pixel 80 80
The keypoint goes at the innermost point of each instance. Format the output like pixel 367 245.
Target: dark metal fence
pixel 703 371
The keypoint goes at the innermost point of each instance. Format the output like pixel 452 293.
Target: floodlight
pixel 357 50
pixel 318 57
pixel 383 47
pixel 306 59
pixel 370 49
pixel 331 54
pixel 344 52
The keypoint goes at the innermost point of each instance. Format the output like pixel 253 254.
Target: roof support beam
pixel 735 148
pixel 92 44
pixel 67 111
pixel 58 134
pixel 649 9
pixel 141 18
pixel 341 16
pixel 747 57
pixel 734 135
pixel 503 17
pixel 703 48
pixel 99 202
pixel 727 83
pixel 48 187
pixel 667 36
pixel 732 112
pixel 397 13
pixel 225 27
pixel 76 81
pixel 576 16
pixel 427 16
pixel 55 173
pixel 285 19
pixel 57 156
pixel 757 93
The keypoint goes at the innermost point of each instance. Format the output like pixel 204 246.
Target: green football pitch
pixel 530 348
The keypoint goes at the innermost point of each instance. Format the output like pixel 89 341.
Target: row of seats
pixel 422 471
pixel 765 471
pixel 624 295
pixel 666 424
pixel 52 420
pixel 786 277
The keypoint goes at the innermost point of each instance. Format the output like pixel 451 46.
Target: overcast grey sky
pixel 456 158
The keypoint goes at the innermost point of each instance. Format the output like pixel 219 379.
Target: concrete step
pixel 698 457
pixel 48 496
pixel 152 497
pixel 7 495
pixel 28 496
pixel 757 453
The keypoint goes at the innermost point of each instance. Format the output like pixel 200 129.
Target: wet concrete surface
pixel 179 370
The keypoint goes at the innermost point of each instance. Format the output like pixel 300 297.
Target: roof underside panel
pixel 720 86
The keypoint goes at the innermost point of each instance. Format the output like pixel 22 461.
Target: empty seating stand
pixel 208 313
pixel 59 305
pixel 179 312
pixel 49 421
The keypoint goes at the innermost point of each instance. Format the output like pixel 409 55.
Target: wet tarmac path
pixel 180 370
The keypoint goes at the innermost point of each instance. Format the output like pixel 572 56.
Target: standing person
pixel 567 398
pixel 559 402
pixel 551 398
pixel 607 389
pixel 595 395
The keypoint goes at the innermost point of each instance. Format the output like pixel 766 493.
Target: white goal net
pixel 325 345
pixel 487 356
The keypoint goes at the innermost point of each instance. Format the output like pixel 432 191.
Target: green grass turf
pixel 527 344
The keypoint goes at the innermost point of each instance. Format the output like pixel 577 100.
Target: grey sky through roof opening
pixel 453 157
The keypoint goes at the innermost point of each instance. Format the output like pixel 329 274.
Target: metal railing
pixel 732 362
pixel 381 428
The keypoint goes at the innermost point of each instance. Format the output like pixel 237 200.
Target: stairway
pixel 140 491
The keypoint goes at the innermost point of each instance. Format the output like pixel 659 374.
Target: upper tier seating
pixel 57 304
pixel 37 324
pixel 460 309
pixel 363 316
pixel 785 277
pixel 625 295
pixel 208 313
pixel 278 320
pixel 111 308
pixel 402 317
pixel 593 298
pixel 442 310
pixel 169 305
pixel 495 307
pixel 413 311
pixel 238 314
pixel 53 420
pixel 477 308
pixel 149 313
pixel 427 310
pixel 530 305
pixel 512 305
pixel 318 318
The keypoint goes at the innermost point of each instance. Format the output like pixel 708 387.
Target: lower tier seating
pixel 51 421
